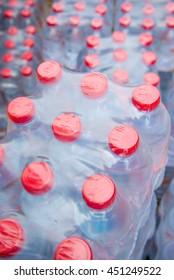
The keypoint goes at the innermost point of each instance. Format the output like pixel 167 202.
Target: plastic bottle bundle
pixel 20 52
pixel 119 56
pixel 69 24
pixel 21 14
pixel 81 166
pixel 145 15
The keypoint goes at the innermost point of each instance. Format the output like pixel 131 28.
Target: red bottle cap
pixel 123 140
pixel 101 9
pixel 30 3
pixel 74 21
pixel 6 73
pixel 73 248
pixel 13 3
pixel 9 44
pixel 31 30
pixel 126 7
pixel 148 24
pixel 145 39
pixel 148 10
pixel 149 58
pixel 2 155
pixel 29 42
pixel 97 23
pixel 120 55
pixel 92 41
pixel 8 57
pixel 12 31
pixel 92 60
pixel 26 13
pixel 49 72
pixel 26 71
pixel 12 238
pixel 67 127
pixel 52 21
pixel 121 76
pixel 124 21
pixel 99 192
pixel 170 8
pixel 58 7
pixel 151 78
pixel 21 110
pixel 119 36
pixel 28 56
pixel 9 13
pixel 80 6
pixel 146 98
pixel 170 22
pixel 37 178
pixel 94 85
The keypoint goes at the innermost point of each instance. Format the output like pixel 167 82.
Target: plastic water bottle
pixel 127 152
pixel 9 18
pixel 148 113
pixel 103 214
pixel 43 199
pixel 77 248
pixel 9 174
pixel 73 43
pixel 22 240
pixel 25 122
pixel 8 85
pixel 28 81
pixel 51 85
pixel 52 39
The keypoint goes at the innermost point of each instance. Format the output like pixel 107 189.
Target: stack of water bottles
pixel 20 24
pixel 93 144
pixel 86 170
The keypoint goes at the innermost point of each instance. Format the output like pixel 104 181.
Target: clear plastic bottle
pixel 22 240
pixel 44 199
pixel 53 40
pixel 78 248
pixel 105 215
pixel 148 114
pixel 128 161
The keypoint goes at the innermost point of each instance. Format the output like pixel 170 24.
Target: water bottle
pixel 9 18
pixel 148 114
pixel 103 214
pixel 51 85
pixel 22 240
pixel 27 81
pixel 130 153
pixel 44 199
pixel 52 39
pixel 73 43
pixel 25 123
pixel 77 248
pixel 9 84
